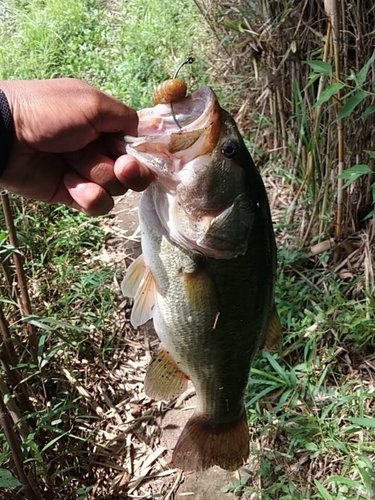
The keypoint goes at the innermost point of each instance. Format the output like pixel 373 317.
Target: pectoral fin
pixel 274 338
pixel 140 284
pixel 164 379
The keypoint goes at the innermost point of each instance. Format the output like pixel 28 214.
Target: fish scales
pixel 209 262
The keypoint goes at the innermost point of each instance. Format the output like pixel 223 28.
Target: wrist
pixel 6 131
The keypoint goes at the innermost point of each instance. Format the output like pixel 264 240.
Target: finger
pixel 114 144
pixel 92 164
pixel 132 174
pixel 112 115
pixel 87 196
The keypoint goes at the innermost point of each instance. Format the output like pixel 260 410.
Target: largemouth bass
pixel 207 272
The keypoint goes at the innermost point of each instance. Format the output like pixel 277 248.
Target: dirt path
pixel 170 420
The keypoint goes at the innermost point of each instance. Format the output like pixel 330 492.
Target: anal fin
pixel 164 379
pixel 274 337
pixel 204 444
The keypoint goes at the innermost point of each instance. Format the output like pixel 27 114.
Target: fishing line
pixel 188 60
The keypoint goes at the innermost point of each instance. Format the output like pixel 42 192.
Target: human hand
pixel 68 145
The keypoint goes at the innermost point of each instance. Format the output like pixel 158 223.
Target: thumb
pixel 114 116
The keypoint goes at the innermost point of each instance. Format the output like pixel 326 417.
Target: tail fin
pixel 204 444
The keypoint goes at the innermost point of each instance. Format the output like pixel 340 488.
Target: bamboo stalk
pixel 280 101
pixel 332 11
pixel 21 278
pixel 9 281
pixel 15 448
pixel 13 410
pixel 8 358
pixel 4 327
pixel 274 118
pixel 326 185
pixel 327 48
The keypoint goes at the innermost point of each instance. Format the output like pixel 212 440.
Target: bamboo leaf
pixel 363 421
pixel 320 67
pixel 370 215
pixel 324 493
pixel 358 170
pixel 366 478
pixel 354 173
pixel 312 79
pixel 368 111
pixel 328 93
pixel 351 104
pixel 7 480
pixel 362 74
pixel 344 480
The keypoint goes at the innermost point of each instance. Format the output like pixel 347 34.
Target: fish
pixel 206 275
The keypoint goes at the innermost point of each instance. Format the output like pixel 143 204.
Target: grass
pixel 310 407
pixel 126 49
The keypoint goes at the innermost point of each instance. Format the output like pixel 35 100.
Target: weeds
pixel 310 407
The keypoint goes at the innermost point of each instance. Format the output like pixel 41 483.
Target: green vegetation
pixel 124 47
pixel 310 406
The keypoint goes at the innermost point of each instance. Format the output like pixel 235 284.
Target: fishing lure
pixel 173 89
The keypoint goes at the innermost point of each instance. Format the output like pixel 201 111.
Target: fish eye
pixel 229 149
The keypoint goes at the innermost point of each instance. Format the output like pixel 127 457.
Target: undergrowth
pixel 311 405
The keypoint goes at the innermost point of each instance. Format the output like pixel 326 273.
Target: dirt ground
pixel 125 239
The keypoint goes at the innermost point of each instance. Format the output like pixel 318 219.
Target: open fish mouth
pixel 190 113
pixel 171 135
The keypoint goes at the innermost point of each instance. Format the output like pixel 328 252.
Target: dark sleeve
pixel 6 131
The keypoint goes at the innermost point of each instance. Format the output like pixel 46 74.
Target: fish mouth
pixel 171 135
pixel 183 115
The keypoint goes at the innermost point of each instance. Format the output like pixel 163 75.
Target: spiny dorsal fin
pixel 274 337
pixel 140 284
pixel 164 379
